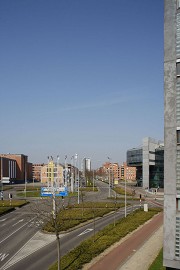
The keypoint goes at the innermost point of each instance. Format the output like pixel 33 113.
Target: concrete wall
pixel 149 146
pixel 170 134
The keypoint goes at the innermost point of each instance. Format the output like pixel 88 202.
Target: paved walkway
pixel 135 252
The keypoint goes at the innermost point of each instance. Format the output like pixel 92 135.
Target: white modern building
pixel 86 165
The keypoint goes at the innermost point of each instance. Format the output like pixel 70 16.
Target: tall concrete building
pixel 171 246
pixel 149 162
pixel 86 165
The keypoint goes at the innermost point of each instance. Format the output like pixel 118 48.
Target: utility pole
pixel 109 178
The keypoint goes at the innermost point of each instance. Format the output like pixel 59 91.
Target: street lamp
pixel 25 167
pixel 77 173
pixel 72 173
pixel 109 178
pixel 125 212
pixel 65 165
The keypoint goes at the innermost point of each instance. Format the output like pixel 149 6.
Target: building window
pixel 178 68
pixel 178 4
pixel 178 136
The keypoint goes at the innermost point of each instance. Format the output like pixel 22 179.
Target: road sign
pixel 49 191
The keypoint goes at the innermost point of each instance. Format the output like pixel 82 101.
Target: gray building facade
pixel 171 245
pixel 149 162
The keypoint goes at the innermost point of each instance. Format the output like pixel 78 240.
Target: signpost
pixel 57 191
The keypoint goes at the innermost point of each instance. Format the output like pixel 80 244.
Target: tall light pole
pixel 66 171
pixel 93 180
pixel 109 178
pixel 25 168
pixel 57 178
pixel 77 174
pixel 125 212
pixel 72 173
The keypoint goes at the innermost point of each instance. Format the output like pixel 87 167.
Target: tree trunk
pixel 58 250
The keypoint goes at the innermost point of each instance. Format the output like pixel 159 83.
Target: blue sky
pixel 80 76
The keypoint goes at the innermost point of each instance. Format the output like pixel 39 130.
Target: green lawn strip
pixel 71 217
pixel 121 191
pixel 98 205
pixel 95 245
pixel 4 210
pixel 28 188
pixel 88 189
pixel 128 198
pixel 6 188
pixel 158 262
pixel 7 206
pixel 29 194
pixel 14 203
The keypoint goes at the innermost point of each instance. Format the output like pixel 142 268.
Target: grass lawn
pixel 4 210
pixel 121 191
pixel 158 262
pixel 87 189
pixel 6 205
pixel 14 203
pixel 36 193
pixel 79 213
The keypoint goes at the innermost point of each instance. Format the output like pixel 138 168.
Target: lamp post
pixel 66 171
pixel 93 180
pixel 57 178
pixel 125 212
pixel 72 173
pixel 109 178
pixel 77 173
pixel 25 168
pixel 1 178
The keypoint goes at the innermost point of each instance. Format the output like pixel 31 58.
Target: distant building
pixel 127 173
pixel 149 163
pixel 52 173
pixel 8 169
pixel 36 171
pixel 86 165
pixel 111 170
pixel 19 170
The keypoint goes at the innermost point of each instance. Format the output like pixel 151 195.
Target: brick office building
pixel 16 167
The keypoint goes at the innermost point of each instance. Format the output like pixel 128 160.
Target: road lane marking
pixel 27 249
pixel 3 256
pixel 18 222
pixel 86 231
pixel 3 219
pixel 15 231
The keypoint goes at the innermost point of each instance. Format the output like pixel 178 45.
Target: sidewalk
pixel 135 252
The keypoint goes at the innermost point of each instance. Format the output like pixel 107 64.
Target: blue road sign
pixel 49 191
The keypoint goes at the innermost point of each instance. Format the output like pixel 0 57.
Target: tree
pixel 47 213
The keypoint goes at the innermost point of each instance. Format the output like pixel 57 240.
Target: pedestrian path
pixel 135 252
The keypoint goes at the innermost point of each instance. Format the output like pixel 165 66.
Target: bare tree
pixel 47 214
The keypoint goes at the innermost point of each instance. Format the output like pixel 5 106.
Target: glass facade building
pixel 149 163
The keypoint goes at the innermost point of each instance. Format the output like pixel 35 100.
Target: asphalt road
pixel 16 228
pixel 19 227
pixel 44 257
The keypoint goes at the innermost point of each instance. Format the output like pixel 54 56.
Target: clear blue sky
pixel 80 76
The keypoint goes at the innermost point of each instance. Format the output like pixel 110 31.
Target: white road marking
pixel 3 219
pixel 3 256
pixel 14 231
pixel 86 231
pixel 17 222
